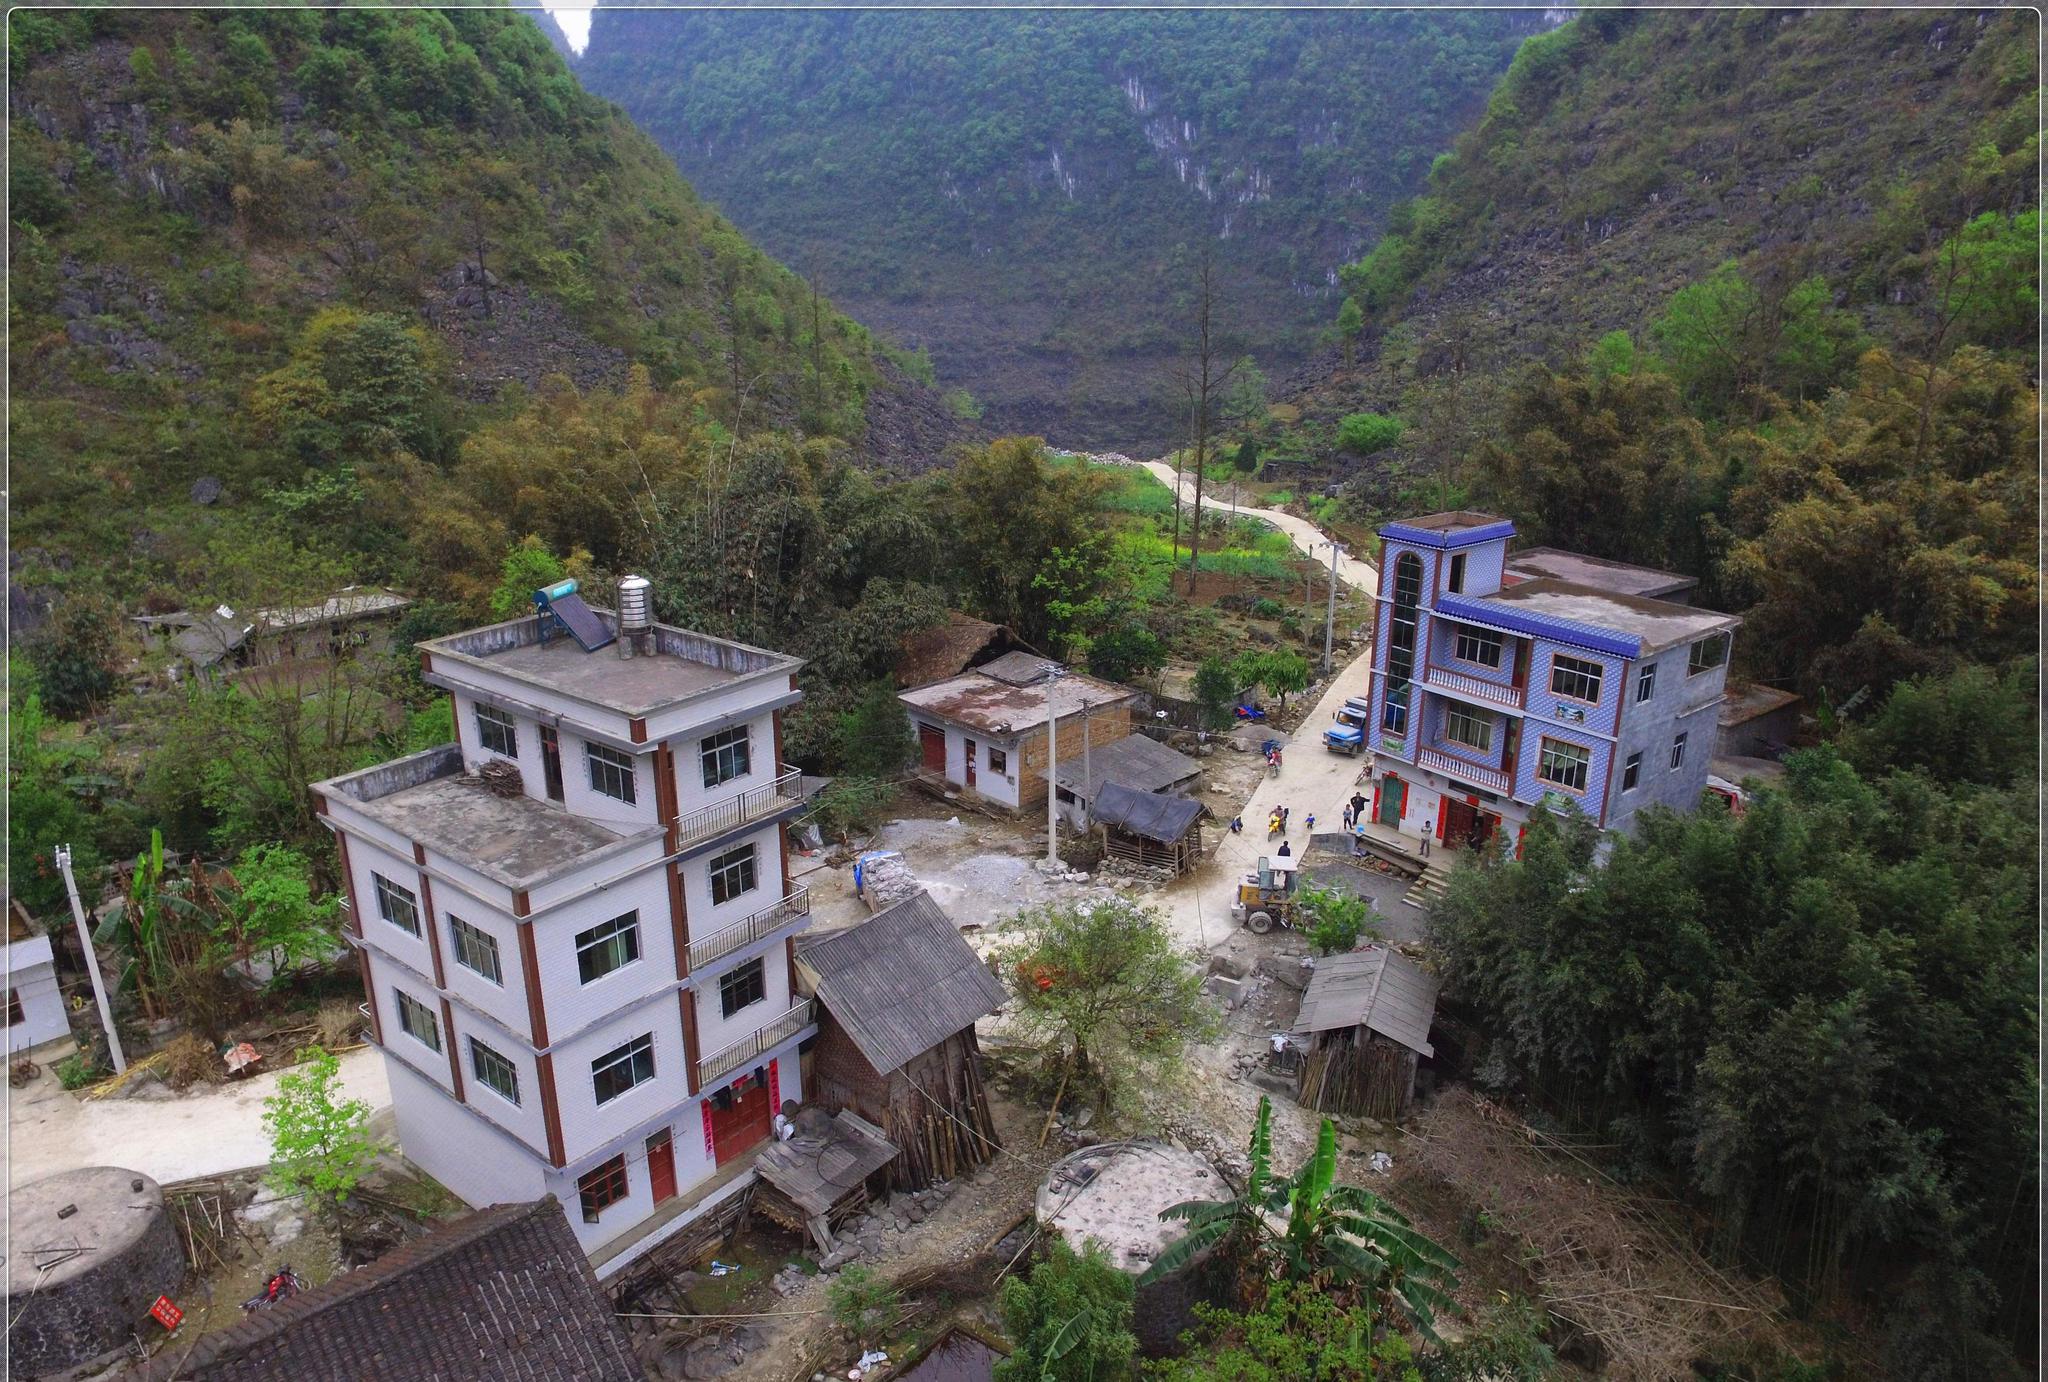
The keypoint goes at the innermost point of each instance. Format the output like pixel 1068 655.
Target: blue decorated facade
pixel 1498 692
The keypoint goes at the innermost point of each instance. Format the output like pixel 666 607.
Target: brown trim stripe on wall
pixel 687 999
pixel 433 929
pixel 454 1060
pixel 551 1109
pixel 678 919
pixel 348 883
pixel 370 996
pixel 529 970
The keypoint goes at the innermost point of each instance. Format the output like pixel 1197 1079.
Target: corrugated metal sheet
pixel 902 981
pixel 1154 815
pixel 1373 988
pixel 1139 763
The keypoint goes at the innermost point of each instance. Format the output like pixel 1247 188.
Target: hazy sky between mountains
pixel 575 22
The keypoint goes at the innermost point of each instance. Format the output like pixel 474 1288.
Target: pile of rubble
pixel 867 1235
pixel 1140 873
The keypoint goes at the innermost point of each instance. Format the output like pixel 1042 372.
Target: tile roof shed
pixel 1135 761
pixel 1374 988
pixel 504 1293
pixel 900 982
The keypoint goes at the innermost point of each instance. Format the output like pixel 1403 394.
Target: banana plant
pixel 143 927
pixel 1307 1228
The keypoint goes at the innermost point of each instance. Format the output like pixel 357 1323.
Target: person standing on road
pixel 1350 814
pixel 1425 842
pixel 1357 806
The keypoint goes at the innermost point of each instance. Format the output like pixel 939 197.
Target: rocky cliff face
pixel 1023 193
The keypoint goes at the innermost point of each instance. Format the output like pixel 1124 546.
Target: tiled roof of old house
pixel 901 982
pixel 506 1293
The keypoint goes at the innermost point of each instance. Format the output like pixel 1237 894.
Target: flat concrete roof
pixel 1658 623
pixel 116 1207
pixel 516 841
pixel 1749 701
pixel 1597 573
pixel 681 665
pixel 997 707
pixel 1455 521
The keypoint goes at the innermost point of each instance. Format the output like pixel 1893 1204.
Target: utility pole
pixel 92 962
pixel 1330 617
pixel 1053 673
pixel 1308 601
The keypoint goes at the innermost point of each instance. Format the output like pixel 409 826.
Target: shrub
pixel 189 1060
pixel 320 1143
pixel 1366 433
pixel 338 1024
pixel 861 1302
pixel 76 1072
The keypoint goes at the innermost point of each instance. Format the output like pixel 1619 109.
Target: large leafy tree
pixel 1071 1319
pixel 1018 522
pixel 1103 991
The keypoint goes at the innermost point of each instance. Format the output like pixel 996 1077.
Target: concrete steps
pixel 1429 884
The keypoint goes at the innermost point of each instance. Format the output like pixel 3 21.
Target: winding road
pixel 1311 780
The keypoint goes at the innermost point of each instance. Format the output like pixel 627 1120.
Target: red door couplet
pixel 661 1165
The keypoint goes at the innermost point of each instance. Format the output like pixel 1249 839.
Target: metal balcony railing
pixel 734 812
pixel 1492 779
pixel 1475 688
pixel 724 1062
pixel 765 922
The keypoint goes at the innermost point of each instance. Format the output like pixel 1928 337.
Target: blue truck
pixel 1344 738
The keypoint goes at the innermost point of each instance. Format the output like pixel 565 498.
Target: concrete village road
pixel 201 1134
pixel 1311 780
pixel 1313 541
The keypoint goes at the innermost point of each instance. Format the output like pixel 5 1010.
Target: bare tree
pixel 1203 380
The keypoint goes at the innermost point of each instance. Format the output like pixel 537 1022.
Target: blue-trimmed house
pixel 1499 690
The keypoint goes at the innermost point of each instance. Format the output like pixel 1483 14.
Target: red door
pixel 970 761
pixel 742 1125
pixel 661 1166
pixel 1459 821
pixel 932 744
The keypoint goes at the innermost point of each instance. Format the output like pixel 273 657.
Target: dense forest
pixel 1754 296
pixel 1020 191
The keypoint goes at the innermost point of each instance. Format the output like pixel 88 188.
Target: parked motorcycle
pixel 283 1286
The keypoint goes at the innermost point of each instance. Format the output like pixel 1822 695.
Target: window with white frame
pixel 1707 654
pixel 417 1021
pixel 1678 753
pixel 622 1068
pixel 732 873
pixel 1564 765
pixel 497 731
pixel 1482 646
pixel 1472 729
pixel 1646 683
pixel 608 946
pixel 611 772
pixel 726 755
pixel 1575 678
pixel 742 987
pixel 476 950
pixel 1631 772
pixel 397 905
pixel 494 1071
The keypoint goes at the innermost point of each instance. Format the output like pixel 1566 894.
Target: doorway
pixel 661 1165
pixel 931 745
pixel 739 1118
pixel 1460 819
pixel 551 761
pixel 1393 801
pixel 970 761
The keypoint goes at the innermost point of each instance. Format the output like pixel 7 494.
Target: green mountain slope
pixel 259 257
pixel 1019 191
pixel 1628 154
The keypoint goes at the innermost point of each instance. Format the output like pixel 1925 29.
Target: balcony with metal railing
pixel 755 803
pixel 723 1062
pixel 1477 689
pixel 766 922
pixel 1492 779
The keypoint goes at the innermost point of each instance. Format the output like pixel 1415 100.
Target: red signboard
pixel 165 1313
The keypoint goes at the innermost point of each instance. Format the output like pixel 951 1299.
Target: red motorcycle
pixel 283 1286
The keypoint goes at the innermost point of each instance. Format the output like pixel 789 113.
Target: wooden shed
pixel 822 1174
pixel 900 994
pixel 1365 1021
pixel 1149 829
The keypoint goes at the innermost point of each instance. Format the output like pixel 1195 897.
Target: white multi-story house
pixel 579 974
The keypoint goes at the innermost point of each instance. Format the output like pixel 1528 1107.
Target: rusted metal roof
pixel 985 700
